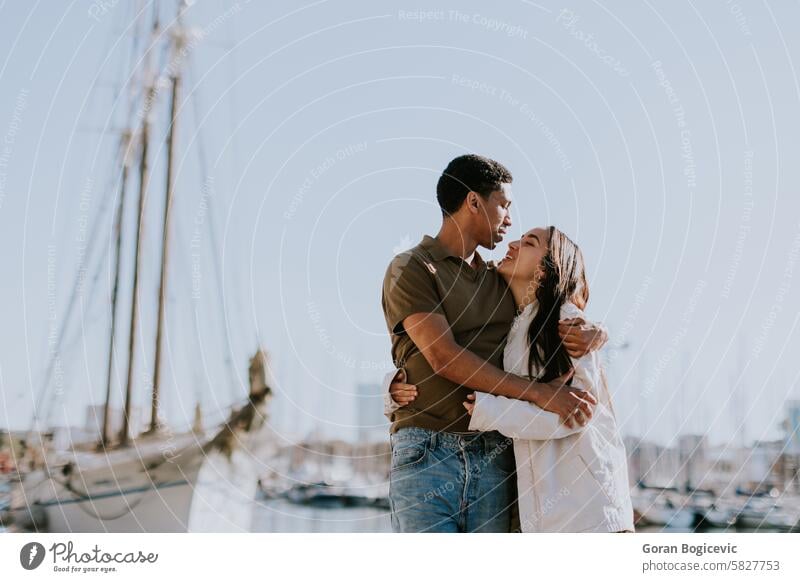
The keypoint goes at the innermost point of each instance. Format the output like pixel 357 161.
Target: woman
pixel 569 479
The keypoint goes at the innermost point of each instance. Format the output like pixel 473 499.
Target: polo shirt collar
pixel 438 252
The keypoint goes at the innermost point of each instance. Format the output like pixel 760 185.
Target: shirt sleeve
pixel 409 288
pixel 389 405
pixel 588 372
pixel 572 311
pixel 524 420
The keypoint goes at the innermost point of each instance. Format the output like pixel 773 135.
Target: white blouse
pixel 569 479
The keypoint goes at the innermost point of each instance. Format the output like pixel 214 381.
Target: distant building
pixel 652 464
pixel 793 426
pixel 693 451
pixel 760 468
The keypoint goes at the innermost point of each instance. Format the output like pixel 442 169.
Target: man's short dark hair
pixel 469 173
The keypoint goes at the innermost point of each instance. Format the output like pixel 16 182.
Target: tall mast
pixel 149 103
pixel 126 144
pixel 176 79
pixel 143 177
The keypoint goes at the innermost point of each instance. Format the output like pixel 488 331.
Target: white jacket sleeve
pixel 517 419
pixel 389 405
pixel 524 420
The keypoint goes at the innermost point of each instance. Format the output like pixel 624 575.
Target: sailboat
pixel 151 485
pixel 148 482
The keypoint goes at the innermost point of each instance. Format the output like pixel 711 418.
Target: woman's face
pixel 523 262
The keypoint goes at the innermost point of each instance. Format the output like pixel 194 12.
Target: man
pixel 448 313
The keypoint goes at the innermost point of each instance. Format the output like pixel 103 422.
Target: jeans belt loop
pixel 432 440
pixel 486 446
pixel 493 446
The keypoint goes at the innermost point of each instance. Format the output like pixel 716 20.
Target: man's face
pixel 494 217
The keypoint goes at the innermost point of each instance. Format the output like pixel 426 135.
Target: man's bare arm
pixel 432 335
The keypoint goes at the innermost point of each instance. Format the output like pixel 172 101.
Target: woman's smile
pixel 509 256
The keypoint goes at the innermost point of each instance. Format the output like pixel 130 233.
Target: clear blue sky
pixel 661 137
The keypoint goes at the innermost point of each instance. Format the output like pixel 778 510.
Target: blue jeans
pixel 450 482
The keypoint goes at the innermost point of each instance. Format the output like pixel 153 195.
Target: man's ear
pixel 473 203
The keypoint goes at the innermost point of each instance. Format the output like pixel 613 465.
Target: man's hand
pixel 571 404
pixel 580 337
pixel 401 392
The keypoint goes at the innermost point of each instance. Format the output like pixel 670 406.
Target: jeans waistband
pixel 452 440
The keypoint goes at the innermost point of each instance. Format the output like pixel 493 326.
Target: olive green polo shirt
pixel 477 304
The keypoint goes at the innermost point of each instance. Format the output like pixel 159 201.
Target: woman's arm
pixel 517 419
pixel 523 420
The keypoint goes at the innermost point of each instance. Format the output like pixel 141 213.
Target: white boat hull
pixel 165 508
pixel 192 491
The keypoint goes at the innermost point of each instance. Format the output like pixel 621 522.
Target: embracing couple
pixel 501 418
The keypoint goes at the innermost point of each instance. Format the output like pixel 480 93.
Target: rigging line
pixel 173 73
pixel 117 228
pixel 215 250
pixel 76 286
pixel 144 176
pixel 153 36
pixel 87 259
pixel 126 144
pixel 185 275
pixel 190 355
pixel 63 340
pixel 96 227
pixel 112 186
pixel 135 13
pixel 133 58
pixel 152 85
pixel 71 304
pixel 116 232
pixel 91 244
pixel 233 73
